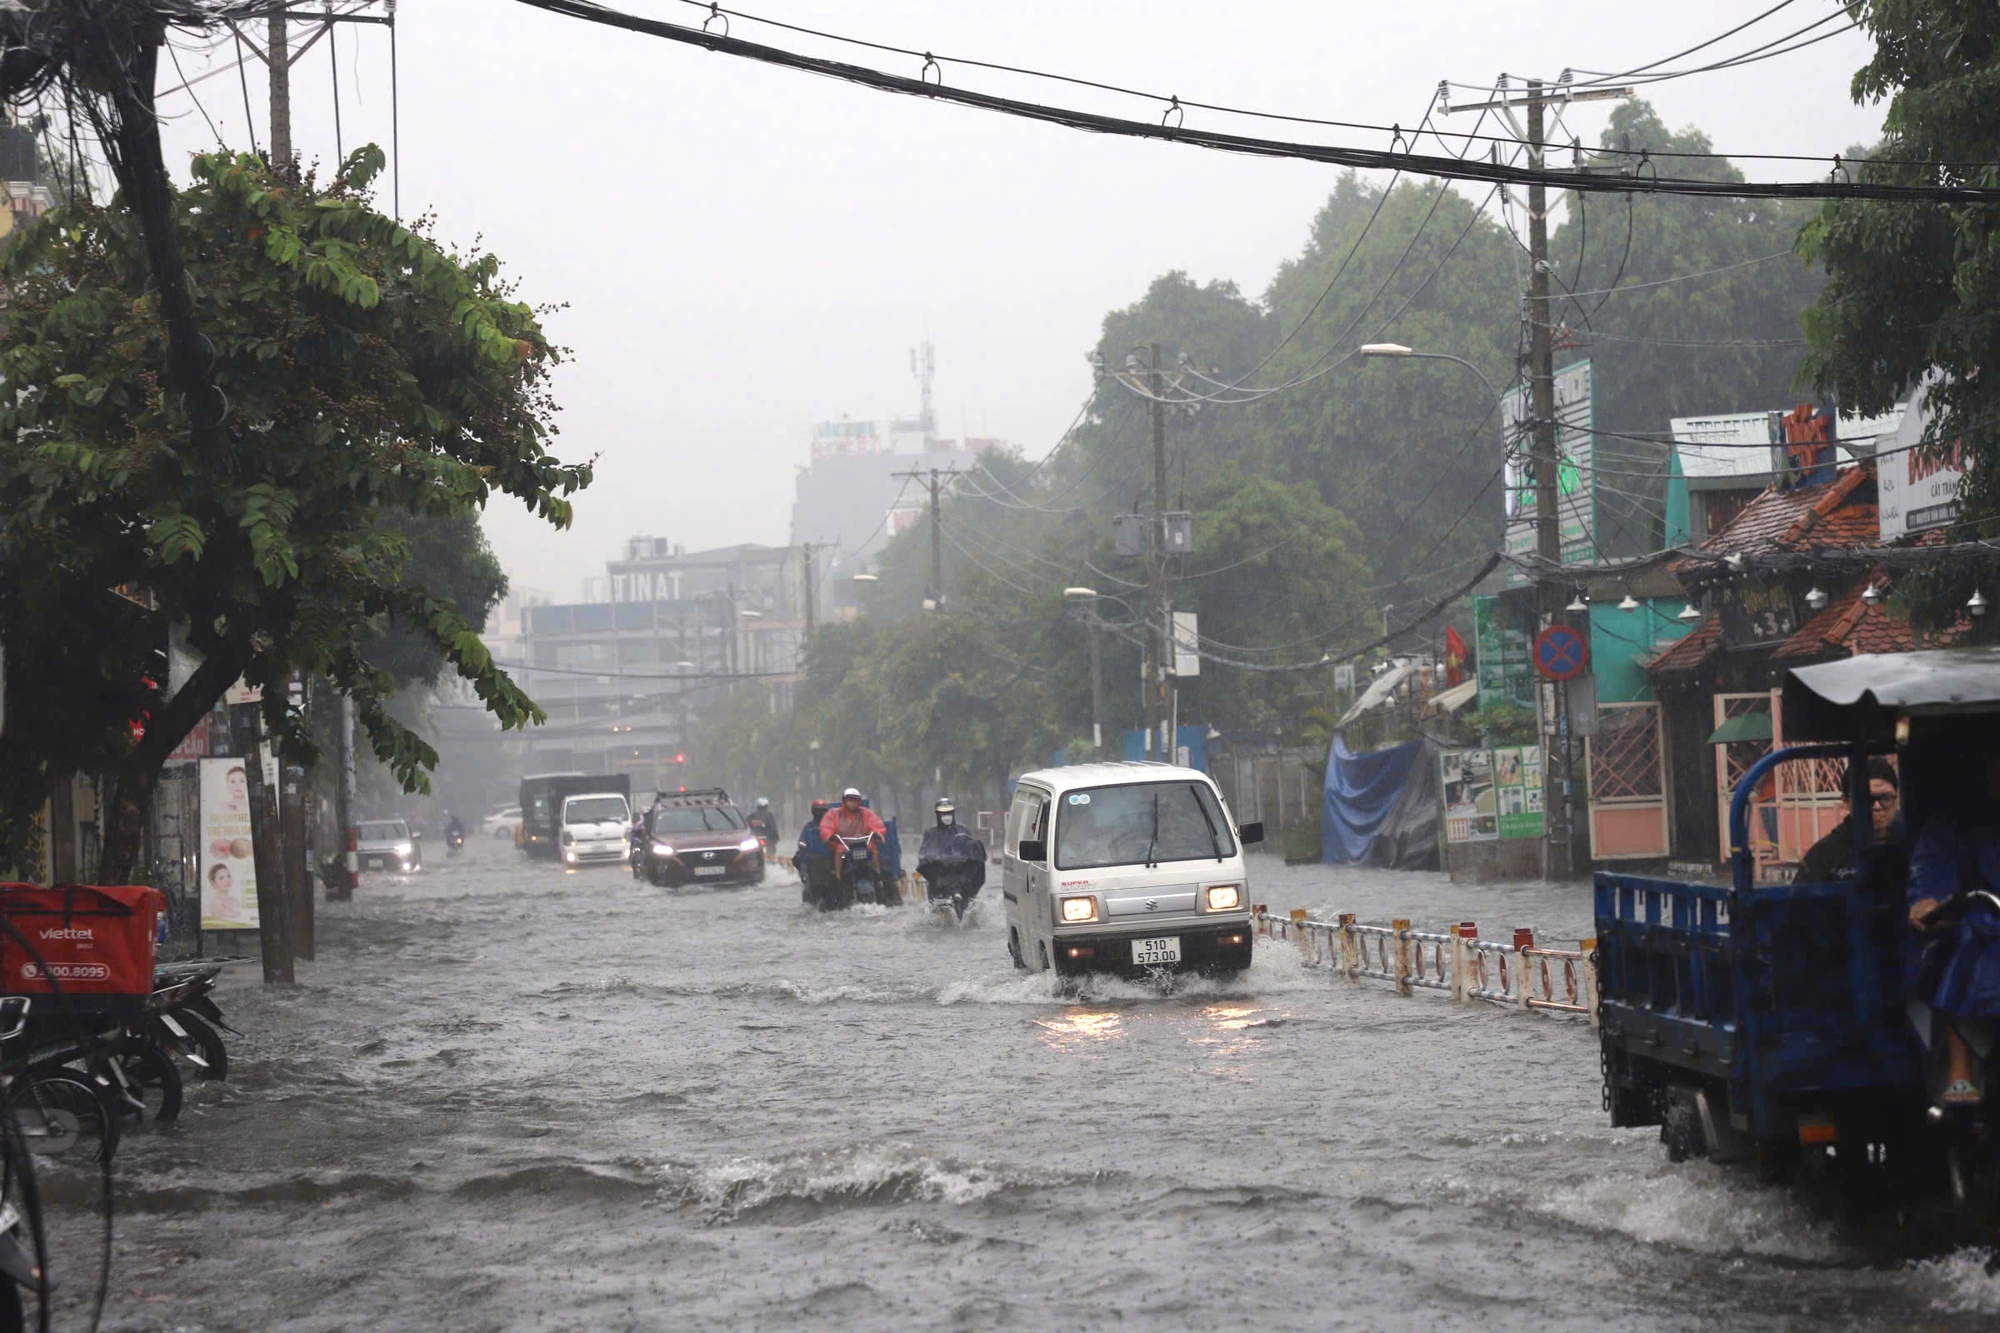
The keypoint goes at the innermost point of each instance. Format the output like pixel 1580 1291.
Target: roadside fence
pixel 1519 975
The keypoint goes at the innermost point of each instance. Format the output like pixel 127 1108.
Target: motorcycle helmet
pixel 855 792
pixel 946 812
pixel 763 803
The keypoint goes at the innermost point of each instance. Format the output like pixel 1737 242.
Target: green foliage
pixel 1914 288
pixel 1502 722
pixel 372 382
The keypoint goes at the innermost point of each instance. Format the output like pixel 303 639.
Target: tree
pixel 1913 288
pixel 363 375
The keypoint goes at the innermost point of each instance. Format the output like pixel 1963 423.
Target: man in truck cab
pixel 1832 857
pixel 851 819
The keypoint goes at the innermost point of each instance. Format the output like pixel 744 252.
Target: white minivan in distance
pixel 1125 868
pixel 595 828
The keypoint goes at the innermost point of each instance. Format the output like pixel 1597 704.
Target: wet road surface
pixel 510 1097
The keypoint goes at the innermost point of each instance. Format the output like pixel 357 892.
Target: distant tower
pixel 923 365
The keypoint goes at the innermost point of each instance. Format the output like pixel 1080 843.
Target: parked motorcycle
pixel 23 1242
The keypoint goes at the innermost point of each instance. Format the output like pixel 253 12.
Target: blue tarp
pixel 1362 791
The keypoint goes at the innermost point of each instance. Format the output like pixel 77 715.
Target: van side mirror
pixel 1250 834
pixel 1034 849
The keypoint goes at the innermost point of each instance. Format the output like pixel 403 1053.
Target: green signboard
pixel 1503 638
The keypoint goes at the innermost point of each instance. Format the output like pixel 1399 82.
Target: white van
pixel 595 828
pixel 1125 868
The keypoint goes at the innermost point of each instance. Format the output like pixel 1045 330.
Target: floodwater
pixel 510 1097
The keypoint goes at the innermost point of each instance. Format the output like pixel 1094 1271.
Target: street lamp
pixel 1396 351
pixel 1087 598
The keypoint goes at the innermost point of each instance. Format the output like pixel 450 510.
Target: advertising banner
pixel 1470 811
pixel 1503 629
pixel 228 870
pixel 1492 794
pixel 1576 484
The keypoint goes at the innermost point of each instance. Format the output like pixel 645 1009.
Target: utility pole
pixel 1159 608
pixel 278 59
pixel 343 806
pixel 935 485
pixel 806 552
pixel 1543 452
pixel 1548 462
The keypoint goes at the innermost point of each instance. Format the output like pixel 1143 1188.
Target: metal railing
pixel 1518 975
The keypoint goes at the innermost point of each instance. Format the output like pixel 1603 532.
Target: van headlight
pixel 568 837
pixel 405 849
pixel 1224 897
pixel 1076 910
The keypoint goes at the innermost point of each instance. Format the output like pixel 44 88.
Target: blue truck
pixel 1773 1024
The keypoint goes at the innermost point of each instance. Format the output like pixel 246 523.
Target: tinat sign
pixel 1917 487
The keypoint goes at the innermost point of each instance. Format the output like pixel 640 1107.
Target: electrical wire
pixel 1445 167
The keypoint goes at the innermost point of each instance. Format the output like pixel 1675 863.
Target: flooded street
pixel 509 1097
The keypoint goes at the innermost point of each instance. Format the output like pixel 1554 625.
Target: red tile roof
pixel 1848 626
pixel 1691 651
pixel 1805 516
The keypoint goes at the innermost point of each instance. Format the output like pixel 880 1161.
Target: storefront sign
pixel 1917 486
pixel 1758 613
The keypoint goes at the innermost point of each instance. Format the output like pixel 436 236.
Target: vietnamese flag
pixel 1455 657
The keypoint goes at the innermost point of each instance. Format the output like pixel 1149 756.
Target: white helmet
pixel 763 802
pixel 855 792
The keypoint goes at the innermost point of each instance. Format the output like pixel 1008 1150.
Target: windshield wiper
pixel 1154 841
pixel 1214 839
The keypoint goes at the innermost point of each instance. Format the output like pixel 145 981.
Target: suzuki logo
pixel 1152 904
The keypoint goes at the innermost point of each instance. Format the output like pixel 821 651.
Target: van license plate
pixel 1151 953
pixel 710 870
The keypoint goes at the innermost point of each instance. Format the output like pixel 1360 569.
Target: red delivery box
pixel 95 939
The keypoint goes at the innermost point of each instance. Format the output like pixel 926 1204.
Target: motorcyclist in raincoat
pixel 951 861
pixel 814 860
pixel 851 819
pixel 763 822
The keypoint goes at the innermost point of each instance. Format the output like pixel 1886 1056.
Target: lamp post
pixel 1086 600
pixel 1396 351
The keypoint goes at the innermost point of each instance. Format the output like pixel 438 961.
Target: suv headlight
pixel 1076 910
pixel 748 845
pixel 1224 897
pixel 662 849
pixel 405 848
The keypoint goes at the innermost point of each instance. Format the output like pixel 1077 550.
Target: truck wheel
pixel 1680 1127
pixel 1042 950
pixel 1014 951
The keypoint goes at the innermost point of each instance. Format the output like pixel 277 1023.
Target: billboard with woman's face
pixel 228 869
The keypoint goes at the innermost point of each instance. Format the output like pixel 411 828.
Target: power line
pixel 1170 131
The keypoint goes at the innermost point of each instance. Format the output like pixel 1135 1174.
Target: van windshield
pixel 696 819
pixel 1143 823
pixel 388 830
pixel 596 810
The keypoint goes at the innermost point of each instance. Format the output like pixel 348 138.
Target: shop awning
pixel 1455 698
pixel 1744 727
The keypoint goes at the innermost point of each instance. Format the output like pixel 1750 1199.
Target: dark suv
pixel 696 837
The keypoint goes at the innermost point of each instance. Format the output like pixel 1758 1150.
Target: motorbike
pixel 454 841
pixel 859 880
pixel 23 1243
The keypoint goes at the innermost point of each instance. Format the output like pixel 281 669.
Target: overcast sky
pixel 742 251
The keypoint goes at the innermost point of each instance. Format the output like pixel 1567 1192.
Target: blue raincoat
pixel 1958 851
